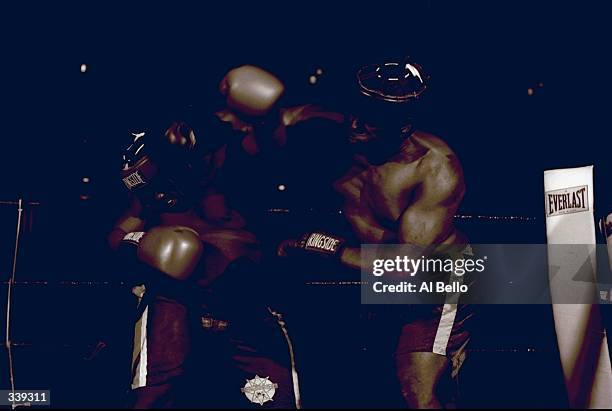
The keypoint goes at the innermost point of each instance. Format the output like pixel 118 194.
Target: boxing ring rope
pixel 9 293
pixel 93 349
pixel 77 283
pixel 457 216
pixel 7 339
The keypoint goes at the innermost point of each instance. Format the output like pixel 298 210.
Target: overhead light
pixel 83 68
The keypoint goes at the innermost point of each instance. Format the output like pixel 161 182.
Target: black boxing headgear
pixel 159 172
pixel 389 94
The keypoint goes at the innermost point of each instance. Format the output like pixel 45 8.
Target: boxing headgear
pixel 159 170
pixel 389 94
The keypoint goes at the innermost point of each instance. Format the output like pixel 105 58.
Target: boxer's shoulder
pixel 431 142
pixel 435 162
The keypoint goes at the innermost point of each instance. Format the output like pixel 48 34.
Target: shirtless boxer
pixel 404 186
pixel 204 329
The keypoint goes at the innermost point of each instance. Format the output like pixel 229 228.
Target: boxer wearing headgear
pixel 159 241
pixel 204 326
pixel 245 337
pixel 404 186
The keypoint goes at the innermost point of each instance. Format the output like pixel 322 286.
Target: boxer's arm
pixel 293 115
pixel 428 220
pixel 129 221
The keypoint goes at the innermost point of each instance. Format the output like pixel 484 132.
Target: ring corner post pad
pixel 581 337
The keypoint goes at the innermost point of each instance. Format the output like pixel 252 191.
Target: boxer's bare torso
pixel 411 198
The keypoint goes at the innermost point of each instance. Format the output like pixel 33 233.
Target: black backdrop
pixel 147 63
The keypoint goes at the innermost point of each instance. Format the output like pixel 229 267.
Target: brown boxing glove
pixel 251 91
pixel 172 250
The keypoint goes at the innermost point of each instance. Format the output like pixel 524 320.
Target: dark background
pixel 147 63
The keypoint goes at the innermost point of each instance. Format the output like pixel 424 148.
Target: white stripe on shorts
pixel 139 355
pixel 294 373
pixel 445 326
pixel 447 319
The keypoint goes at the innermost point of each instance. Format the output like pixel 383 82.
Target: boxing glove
pixel 251 91
pixel 172 250
pixel 180 134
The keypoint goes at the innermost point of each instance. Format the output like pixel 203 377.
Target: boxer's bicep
pixel 429 218
pixel 424 226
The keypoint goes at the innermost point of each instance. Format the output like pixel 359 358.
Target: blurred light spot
pixel 83 68
pixel 86 179
pixel 530 91
pixel 281 187
pixel 84 197
pixel 312 79
pixel 540 84
pixel 319 71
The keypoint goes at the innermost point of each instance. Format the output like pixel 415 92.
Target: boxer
pixel 276 143
pixel 404 186
pixel 205 333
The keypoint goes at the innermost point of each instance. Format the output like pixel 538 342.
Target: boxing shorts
pixel 201 354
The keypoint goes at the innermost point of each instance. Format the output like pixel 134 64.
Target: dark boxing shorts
pixel 195 355
pixel 440 329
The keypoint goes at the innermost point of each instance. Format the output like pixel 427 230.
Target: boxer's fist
pixel 313 243
pixel 172 250
pixel 251 91
pixel 180 134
